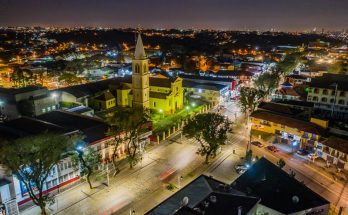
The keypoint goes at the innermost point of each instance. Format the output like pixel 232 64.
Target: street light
pixel 179 180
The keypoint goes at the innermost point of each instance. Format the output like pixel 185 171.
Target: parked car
pixel 273 148
pixel 312 156
pixel 302 152
pixel 257 143
pixel 240 168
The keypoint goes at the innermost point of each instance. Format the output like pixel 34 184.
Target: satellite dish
pixel 185 201
pixel 295 199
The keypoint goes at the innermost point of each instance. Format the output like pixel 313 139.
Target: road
pixel 143 187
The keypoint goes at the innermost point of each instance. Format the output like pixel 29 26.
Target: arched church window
pixel 137 68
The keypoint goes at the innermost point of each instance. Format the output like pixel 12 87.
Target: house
pixel 334 150
pixel 286 92
pixel 105 101
pixel 295 79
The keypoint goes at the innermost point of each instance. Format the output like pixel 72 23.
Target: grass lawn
pixel 162 122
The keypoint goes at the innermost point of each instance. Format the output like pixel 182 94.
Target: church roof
pixel 139 49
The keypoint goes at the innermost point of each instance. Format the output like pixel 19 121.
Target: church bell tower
pixel 140 76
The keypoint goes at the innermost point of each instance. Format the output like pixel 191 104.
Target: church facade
pixel 161 94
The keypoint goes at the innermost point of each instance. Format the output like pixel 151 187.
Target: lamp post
pixel 179 181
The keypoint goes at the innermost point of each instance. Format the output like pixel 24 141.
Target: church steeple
pixel 139 49
pixel 140 76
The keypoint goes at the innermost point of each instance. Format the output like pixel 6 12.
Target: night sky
pixel 215 14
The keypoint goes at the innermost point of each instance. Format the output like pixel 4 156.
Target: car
pixel 312 156
pixel 302 152
pixel 272 148
pixel 257 143
pixel 240 168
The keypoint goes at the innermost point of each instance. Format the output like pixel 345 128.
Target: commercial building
pixel 29 101
pixel 209 92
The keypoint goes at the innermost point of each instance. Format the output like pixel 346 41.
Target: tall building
pixel 140 76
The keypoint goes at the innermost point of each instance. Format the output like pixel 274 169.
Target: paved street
pixel 143 187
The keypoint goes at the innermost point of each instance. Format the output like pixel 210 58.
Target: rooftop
pixel 207 86
pixel 92 128
pixel 328 81
pixel 288 121
pixel 201 194
pixel 278 108
pixel 277 189
pixel 26 126
pixel 14 91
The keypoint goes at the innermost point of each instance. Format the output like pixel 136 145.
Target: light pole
pixel 179 181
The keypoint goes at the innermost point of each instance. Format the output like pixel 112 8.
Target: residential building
pixel 329 93
pixel 105 101
pixel 334 150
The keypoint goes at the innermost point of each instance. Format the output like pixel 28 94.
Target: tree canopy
pixel 210 130
pixel 31 159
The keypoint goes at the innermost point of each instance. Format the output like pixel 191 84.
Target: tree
pixel 249 98
pixel 118 122
pixel 88 160
pixel 127 127
pixel 31 160
pixel 210 130
pixel 70 78
pixel 281 163
pixel 267 82
pixel 249 157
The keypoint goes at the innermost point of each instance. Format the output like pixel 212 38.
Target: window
pixel 333 92
pixel 324 99
pixel 43 110
pixel 69 164
pixel 341 102
pixel 145 68
pixel 315 98
pixel 53 107
pixel 60 179
pixel 65 165
pixel 325 92
pixel 54 182
pixel 154 104
pixel 316 90
pixel 48 108
pixel 332 100
pixel 342 94
pixel 49 185
pixel 66 177
pixel 137 68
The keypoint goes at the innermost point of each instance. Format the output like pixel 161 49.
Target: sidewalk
pixel 82 191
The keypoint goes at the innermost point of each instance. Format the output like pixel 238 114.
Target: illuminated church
pixel 162 94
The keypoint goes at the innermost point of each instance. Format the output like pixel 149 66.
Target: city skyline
pixel 221 14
